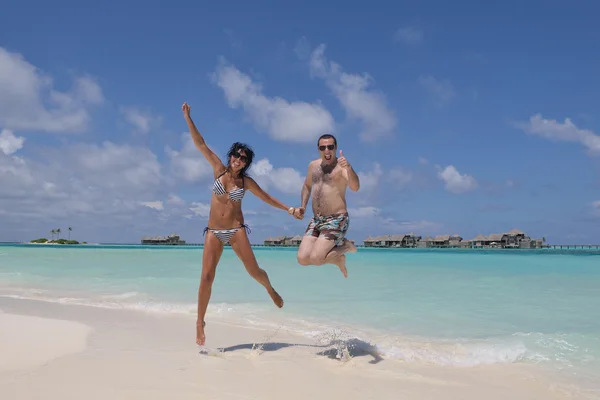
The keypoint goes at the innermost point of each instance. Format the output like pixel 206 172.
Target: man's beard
pixel 327 168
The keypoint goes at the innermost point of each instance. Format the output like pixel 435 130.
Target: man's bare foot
pixel 348 246
pixel 200 337
pixel 341 264
pixel 276 298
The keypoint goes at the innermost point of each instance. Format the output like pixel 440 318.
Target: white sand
pixel 133 355
pixel 28 342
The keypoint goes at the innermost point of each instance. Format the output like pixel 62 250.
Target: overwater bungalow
pixel 446 241
pixel 409 240
pixel 425 242
pixel 513 239
pixel 277 241
pixel 295 241
pixel 478 241
pixel 172 239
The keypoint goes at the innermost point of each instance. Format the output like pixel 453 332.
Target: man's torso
pixel 328 189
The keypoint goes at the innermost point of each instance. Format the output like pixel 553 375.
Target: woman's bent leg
pixel 241 245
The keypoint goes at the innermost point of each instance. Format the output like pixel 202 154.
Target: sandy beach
pixel 56 351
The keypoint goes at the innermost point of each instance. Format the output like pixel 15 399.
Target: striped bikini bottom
pixel 224 235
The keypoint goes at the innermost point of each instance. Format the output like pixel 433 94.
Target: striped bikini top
pixel 219 189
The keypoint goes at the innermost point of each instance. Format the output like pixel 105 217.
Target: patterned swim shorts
pixel 333 227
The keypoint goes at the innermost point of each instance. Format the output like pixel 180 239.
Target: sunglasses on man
pixel 328 147
pixel 242 158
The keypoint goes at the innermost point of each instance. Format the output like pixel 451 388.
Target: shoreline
pixel 113 353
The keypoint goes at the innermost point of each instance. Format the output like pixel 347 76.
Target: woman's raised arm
pixel 210 156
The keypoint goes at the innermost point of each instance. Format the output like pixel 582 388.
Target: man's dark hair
pixel 235 148
pixel 327 136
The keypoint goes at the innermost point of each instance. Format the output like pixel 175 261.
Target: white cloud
pixel 174 199
pixel 28 100
pixel 409 35
pixel 188 164
pixel 363 212
pixel 200 209
pixel 369 185
pixel 369 180
pixel 141 120
pixel 286 180
pixel 297 121
pixel 357 97
pixel 112 166
pixel 302 48
pixel 9 143
pixel 442 91
pixel 455 182
pixel 81 179
pixel 595 208
pixel 565 132
pixel 400 177
pixel 157 205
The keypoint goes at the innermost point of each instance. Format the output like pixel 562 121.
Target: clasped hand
pixel 298 213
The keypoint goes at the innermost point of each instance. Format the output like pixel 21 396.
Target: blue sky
pixel 466 118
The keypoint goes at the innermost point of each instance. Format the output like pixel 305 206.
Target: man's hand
pixel 343 162
pixel 299 213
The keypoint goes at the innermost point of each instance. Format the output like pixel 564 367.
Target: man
pixel 328 177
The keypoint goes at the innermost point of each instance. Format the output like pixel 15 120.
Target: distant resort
pixel 514 239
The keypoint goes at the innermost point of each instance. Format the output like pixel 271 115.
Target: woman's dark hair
pixel 234 149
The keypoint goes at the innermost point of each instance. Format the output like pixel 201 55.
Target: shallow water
pixel 451 307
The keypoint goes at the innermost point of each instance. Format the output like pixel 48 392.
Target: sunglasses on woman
pixel 242 158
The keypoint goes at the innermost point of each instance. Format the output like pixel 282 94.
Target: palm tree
pixel 70 229
pixel 53 231
pixel 58 232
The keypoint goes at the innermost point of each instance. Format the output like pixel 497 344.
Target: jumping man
pixel 328 177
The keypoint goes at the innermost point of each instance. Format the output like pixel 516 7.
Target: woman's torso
pixel 226 202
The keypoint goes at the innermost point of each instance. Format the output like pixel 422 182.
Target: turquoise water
pixel 450 307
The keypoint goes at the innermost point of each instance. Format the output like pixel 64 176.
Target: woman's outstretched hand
pixel 186 110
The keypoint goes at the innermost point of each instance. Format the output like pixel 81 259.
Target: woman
pixel 226 220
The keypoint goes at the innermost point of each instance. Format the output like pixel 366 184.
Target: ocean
pixel 458 308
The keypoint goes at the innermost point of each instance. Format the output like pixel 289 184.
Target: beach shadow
pixel 341 350
pixel 268 346
pixel 351 348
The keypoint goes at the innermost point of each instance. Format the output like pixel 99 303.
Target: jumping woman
pixel 226 220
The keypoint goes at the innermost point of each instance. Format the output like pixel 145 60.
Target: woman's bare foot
pixel 276 298
pixel 200 337
pixel 341 264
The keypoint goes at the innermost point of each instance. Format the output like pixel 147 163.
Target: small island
pixel 58 240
